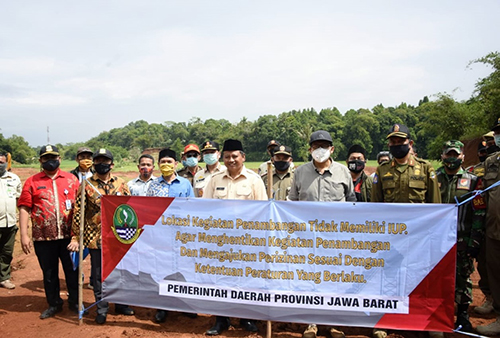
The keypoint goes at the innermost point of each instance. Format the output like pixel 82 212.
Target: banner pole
pixel 270 196
pixel 80 256
pixel 270 180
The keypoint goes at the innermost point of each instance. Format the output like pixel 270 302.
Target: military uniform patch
pixel 463 184
pixel 375 179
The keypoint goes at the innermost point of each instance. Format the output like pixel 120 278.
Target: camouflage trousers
pixel 463 286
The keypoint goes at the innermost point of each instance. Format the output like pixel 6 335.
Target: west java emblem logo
pixel 125 224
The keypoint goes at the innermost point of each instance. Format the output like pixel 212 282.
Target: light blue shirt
pixel 180 187
pixel 139 187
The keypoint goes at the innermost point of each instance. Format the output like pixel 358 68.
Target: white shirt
pixel 10 190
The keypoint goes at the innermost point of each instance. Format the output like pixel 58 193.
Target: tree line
pixel 431 122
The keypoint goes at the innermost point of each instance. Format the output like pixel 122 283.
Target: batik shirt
pixel 51 203
pixel 94 190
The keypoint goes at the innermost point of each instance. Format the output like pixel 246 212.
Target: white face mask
pixel 497 140
pixel 321 155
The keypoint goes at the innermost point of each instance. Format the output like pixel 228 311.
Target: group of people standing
pixel 53 201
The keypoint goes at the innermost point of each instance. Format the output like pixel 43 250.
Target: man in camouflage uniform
pixel 404 179
pixel 282 173
pixel 492 176
pixel 478 170
pixel 454 181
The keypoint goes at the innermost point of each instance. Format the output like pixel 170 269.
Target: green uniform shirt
pixel 470 225
pixel 281 184
pixel 414 182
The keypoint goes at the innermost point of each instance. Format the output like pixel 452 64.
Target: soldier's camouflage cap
pixel 452 145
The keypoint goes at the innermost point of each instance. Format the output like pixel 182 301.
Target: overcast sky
pixel 89 66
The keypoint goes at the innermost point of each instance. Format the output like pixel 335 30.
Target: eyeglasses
pixel 324 146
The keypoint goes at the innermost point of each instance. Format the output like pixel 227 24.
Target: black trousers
pixel 49 253
pixel 96 273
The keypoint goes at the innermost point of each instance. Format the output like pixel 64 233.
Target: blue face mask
pixel 191 162
pixel 497 140
pixel 210 159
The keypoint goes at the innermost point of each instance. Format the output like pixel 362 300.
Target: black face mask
pixel 102 168
pixel 400 150
pixel 356 166
pixel 492 149
pixel 281 165
pixel 50 165
pixel 452 163
pixel 483 158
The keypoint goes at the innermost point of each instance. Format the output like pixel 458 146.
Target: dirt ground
pixel 20 309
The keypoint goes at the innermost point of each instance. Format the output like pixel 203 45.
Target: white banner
pixel 297 261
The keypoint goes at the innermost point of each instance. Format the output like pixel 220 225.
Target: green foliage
pixel 19 148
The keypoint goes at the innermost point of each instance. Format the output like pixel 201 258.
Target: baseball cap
pixel 452 145
pixel 320 135
pixel 399 130
pixel 210 145
pixel 103 152
pixel 49 150
pixel 273 143
pixel 191 147
pixel 82 150
pixel 232 145
pixel 282 149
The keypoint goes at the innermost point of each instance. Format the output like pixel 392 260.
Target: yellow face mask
pixel 85 164
pixel 167 169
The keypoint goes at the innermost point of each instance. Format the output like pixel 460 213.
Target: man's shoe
pixel 336 333
pixel 124 310
pixel 161 316
pixel 7 284
pixel 436 334
pixel 51 312
pixel 221 324
pixel 492 329
pixel 486 307
pixel 379 333
pixel 311 331
pixel 248 325
pixel 101 318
